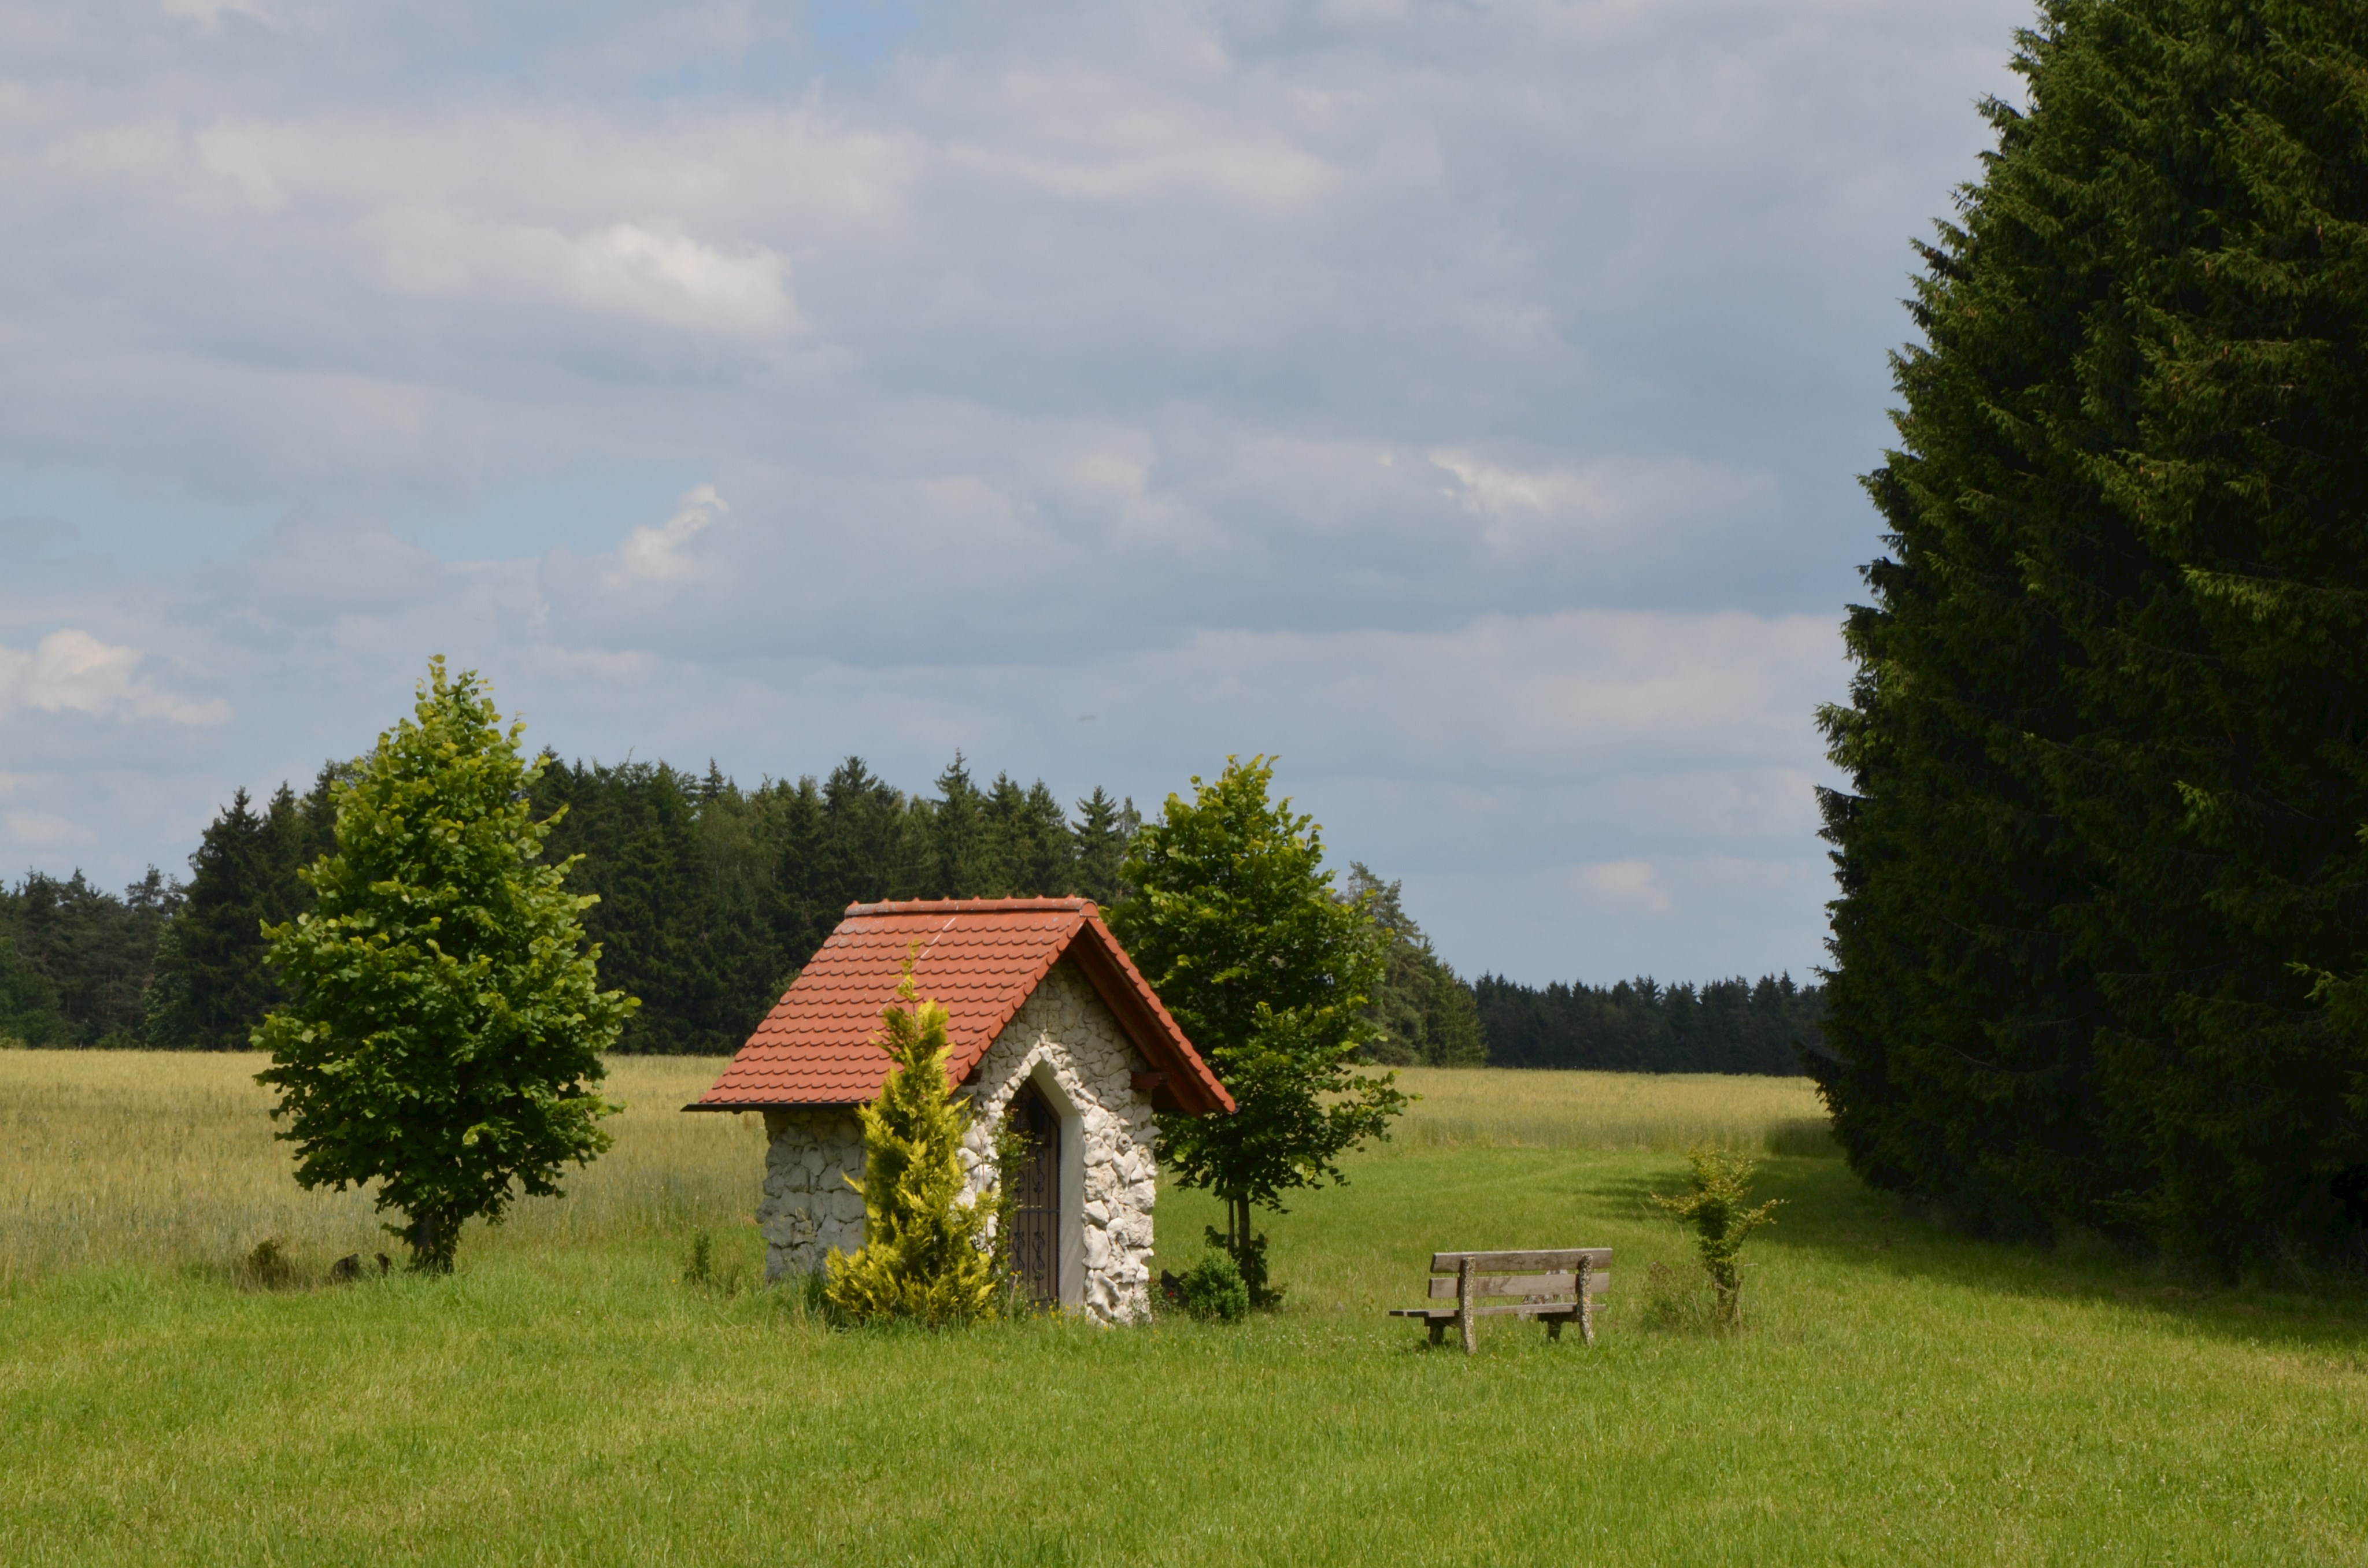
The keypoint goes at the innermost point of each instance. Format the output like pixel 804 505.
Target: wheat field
pixel 1506 1107
pixel 167 1159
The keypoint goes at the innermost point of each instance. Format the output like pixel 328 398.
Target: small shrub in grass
pixel 1713 1211
pixel 1249 1258
pixel 1212 1290
pixel 701 1270
pixel 267 1266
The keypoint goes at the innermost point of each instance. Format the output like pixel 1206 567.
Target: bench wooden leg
pixel 1554 1328
pixel 1438 1329
pixel 1586 1273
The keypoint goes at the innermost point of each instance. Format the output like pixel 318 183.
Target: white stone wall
pixel 1066 1039
pixel 808 1207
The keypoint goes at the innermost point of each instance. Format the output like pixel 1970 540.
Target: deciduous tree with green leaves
pixel 1235 923
pixel 1713 1209
pixel 445 1021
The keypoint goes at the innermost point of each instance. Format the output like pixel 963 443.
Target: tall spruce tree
pixel 967 860
pixel 2108 739
pixel 212 986
pixel 1104 829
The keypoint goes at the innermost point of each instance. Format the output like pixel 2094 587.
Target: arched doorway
pixel 1036 1221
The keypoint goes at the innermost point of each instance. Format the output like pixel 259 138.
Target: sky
pixel 1462 401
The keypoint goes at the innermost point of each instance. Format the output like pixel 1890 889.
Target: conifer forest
pixel 711 896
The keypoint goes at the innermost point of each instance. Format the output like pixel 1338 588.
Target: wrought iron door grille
pixel 1036 1221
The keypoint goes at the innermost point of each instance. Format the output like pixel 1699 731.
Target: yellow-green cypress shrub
pixel 925 1252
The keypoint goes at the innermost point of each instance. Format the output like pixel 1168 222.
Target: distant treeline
pixel 1637 1026
pixel 76 961
pixel 712 896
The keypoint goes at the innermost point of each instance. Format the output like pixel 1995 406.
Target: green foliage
pixel 1104 829
pixel 2106 766
pixel 1422 1012
pixel 1713 1209
pixel 1212 1290
pixel 1770 1026
pixel 29 1003
pixel 76 962
pixel 444 1021
pixel 927 1254
pixel 1235 925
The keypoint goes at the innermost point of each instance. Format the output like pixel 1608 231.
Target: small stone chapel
pixel 1052 1028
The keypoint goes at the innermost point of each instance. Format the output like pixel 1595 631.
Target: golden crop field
pixel 168 1157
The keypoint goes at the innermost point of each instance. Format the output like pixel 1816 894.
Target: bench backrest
pixel 1537 1274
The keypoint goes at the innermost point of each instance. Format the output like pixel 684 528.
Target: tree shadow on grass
pixel 1832 1219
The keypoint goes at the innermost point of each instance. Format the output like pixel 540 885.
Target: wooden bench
pixel 1556 1287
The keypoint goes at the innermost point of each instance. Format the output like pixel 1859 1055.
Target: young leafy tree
pixel 1235 925
pixel 1713 1209
pixel 445 1021
pixel 925 1253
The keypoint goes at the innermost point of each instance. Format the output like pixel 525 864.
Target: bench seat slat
pixel 1563 1260
pixel 1522 1284
pixel 1526 1308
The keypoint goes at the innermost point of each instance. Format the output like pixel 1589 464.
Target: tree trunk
pixel 434 1239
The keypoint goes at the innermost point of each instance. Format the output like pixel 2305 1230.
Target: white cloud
pixel 659 554
pixel 72 672
pixel 44 830
pixel 209 13
pixel 651 273
pixel 1628 883
pixel 1606 503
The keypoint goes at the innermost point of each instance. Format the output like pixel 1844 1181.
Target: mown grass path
pixel 1901 1395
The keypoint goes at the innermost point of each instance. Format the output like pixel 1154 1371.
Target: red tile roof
pixel 977 958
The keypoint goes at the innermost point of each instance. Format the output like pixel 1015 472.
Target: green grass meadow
pixel 1899 1394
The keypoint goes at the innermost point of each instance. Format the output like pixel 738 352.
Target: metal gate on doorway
pixel 1036 1221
